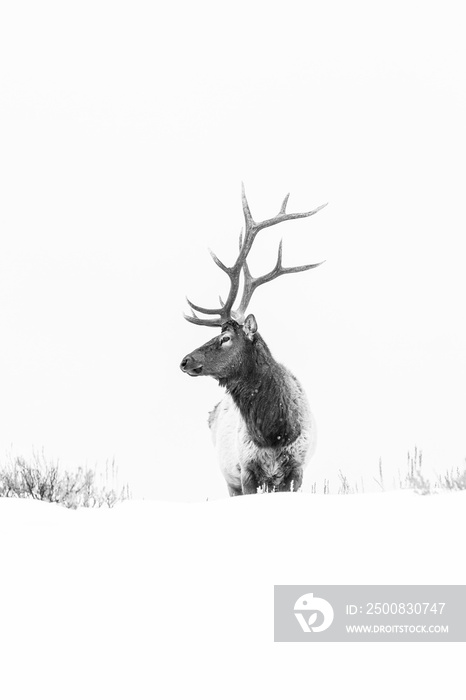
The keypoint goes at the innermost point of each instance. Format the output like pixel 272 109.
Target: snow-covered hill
pixel 174 600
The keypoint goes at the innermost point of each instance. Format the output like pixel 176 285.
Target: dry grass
pixel 44 480
pixel 412 478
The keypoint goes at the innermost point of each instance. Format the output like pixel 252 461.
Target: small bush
pixel 453 480
pixel 43 480
pixel 413 478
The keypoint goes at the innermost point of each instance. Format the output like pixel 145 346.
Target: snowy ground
pixel 174 600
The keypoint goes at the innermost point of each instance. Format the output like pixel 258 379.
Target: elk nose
pixel 191 365
pixel 184 363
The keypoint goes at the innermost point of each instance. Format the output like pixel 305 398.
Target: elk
pixel 263 430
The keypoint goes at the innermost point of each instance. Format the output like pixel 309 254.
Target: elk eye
pixel 225 339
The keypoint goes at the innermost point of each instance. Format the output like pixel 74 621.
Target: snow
pixel 172 600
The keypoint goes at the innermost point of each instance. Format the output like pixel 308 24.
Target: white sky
pixel 126 129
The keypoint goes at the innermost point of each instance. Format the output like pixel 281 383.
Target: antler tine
pixel 283 207
pixel 279 256
pixel 218 262
pixel 251 283
pixel 202 309
pixel 283 216
pixel 246 210
pixel 224 312
pixel 204 321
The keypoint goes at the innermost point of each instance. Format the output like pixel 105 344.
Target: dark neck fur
pixel 262 394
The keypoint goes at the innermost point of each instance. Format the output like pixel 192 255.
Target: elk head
pixel 221 356
pixel 224 355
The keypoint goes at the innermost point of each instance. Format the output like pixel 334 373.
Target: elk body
pixel 263 429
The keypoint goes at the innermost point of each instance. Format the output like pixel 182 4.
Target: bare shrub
pixel 43 480
pixel 413 478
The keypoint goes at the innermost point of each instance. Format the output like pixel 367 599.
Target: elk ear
pixel 250 327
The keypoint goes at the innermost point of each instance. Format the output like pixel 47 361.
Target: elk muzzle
pixel 192 365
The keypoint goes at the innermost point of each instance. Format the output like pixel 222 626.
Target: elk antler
pixel 225 311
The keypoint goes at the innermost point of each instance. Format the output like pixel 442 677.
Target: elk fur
pixel 263 430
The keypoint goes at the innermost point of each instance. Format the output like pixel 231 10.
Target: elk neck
pixel 262 391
